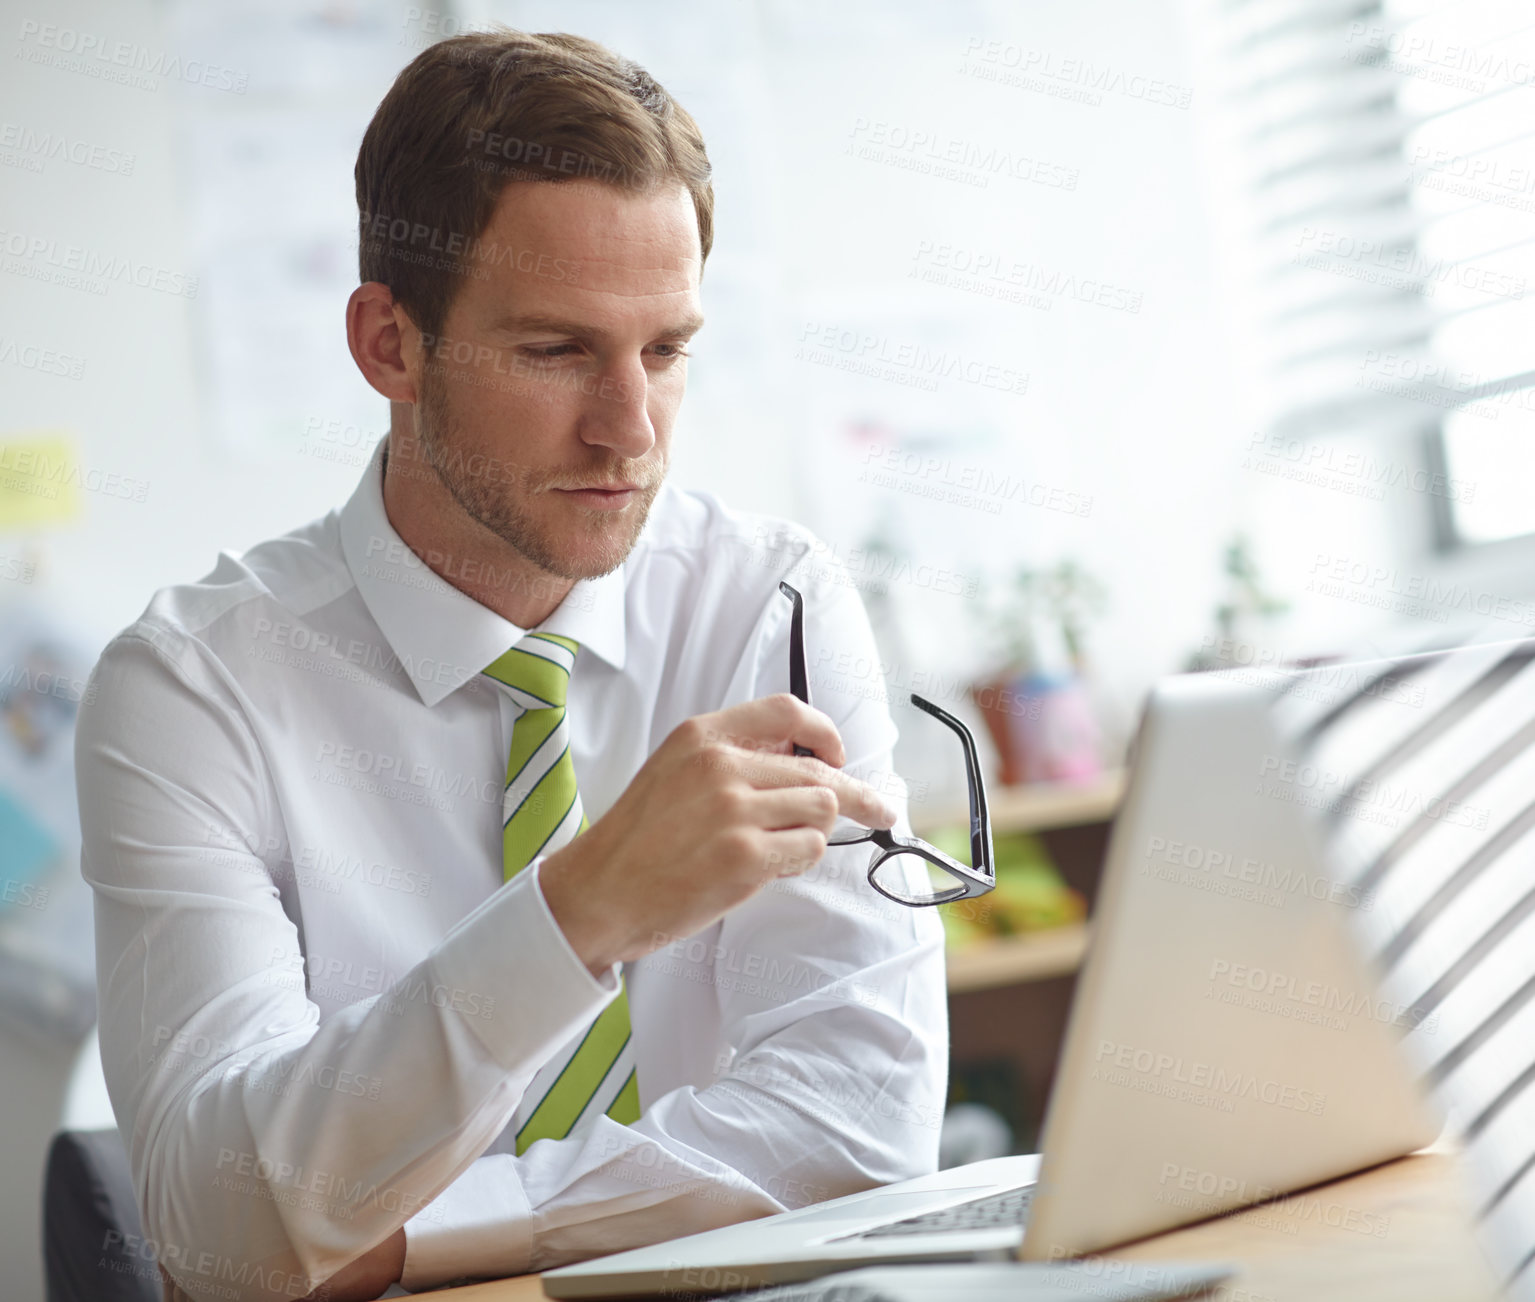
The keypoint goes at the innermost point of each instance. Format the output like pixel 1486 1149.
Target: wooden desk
pixel 1287 1251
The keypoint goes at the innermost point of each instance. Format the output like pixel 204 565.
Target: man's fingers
pixel 780 720
pixel 789 807
pixel 794 852
pixel 856 800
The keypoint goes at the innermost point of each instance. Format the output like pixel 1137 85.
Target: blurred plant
pixel 1245 594
pixel 1245 602
pixel 1065 596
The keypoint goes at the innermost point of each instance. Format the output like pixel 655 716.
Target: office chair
pixel 93 1248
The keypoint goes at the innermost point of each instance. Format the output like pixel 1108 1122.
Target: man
pixel 371 1009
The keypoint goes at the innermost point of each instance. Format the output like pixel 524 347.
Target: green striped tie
pixel 540 813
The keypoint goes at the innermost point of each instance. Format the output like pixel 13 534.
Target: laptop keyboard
pixel 1003 1209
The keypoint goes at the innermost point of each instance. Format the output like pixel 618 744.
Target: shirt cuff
pixel 480 1226
pixel 505 951
pixel 609 982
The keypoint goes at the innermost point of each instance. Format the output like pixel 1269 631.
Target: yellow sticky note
pixel 40 477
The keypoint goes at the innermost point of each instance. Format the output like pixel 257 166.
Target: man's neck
pixel 461 551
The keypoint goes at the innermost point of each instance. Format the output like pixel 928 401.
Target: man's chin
pixel 594 542
pixel 579 567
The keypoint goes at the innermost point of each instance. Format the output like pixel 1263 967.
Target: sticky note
pixel 40 478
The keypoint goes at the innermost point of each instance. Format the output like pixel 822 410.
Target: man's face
pixel 560 367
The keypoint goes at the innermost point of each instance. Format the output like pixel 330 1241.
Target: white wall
pixel 134 411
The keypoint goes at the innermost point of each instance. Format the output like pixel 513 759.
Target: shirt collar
pixel 442 636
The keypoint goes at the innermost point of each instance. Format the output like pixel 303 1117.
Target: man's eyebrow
pixel 687 327
pixel 537 324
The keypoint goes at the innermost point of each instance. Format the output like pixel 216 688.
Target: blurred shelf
pixel 1016 959
pixel 1040 806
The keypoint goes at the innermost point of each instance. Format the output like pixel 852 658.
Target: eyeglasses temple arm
pixel 980 818
pixel 799 682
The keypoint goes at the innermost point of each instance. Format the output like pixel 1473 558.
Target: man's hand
pixel 721 809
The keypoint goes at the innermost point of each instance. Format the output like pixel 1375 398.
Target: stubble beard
pixel 498 503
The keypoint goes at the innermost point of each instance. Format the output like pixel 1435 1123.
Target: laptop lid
pixel 1225 1044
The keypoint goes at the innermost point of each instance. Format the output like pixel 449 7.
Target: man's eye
pixel 552 350
pixel 669 351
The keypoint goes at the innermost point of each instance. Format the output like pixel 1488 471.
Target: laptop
pixel 1225 1045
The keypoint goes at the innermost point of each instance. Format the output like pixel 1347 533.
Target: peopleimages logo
pixel 1187 1186
pixel 1193 1081
pixel 966 484
pixel 39 257
pixel 124 62
pixel 1272 883
pixel 934 153
pixel 1349 470
pixel 1368 583
pixel 42 147
pixel 908 362
pixel 1425 54
pixel 995 274
pixel 1400 266
pixel 1320 787
pixel 390 234
pixel 1287 995
pixel 1065 76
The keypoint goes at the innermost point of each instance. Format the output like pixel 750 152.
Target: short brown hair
pixel 473 113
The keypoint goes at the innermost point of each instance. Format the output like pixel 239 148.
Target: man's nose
pixel 617 415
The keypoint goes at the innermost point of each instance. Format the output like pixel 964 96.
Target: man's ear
pixel 376 330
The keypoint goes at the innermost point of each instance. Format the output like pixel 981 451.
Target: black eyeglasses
pixel 907 869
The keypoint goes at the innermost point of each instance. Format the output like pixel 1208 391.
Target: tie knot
pixel 537 670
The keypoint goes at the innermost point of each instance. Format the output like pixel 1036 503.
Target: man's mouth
pixel 606 497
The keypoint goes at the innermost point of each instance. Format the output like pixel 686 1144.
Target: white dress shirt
pixel 321 1006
